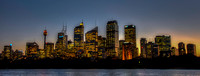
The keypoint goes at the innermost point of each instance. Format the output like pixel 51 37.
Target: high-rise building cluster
pixel 95 46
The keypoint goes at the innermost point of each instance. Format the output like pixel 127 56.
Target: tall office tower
pixel 79 37
pixel 143 47
pixel 127 51
pixel 130 37
pixel 8 52
pixel 45 34
pixel 61 43
pixel 101 47
pixel 49 50
pixel 164 44
pixel 181 48
pixel 91 38
pixel 191 49
pixel 121 43
pixel 149 49
pixel 32 49
pixel 112 34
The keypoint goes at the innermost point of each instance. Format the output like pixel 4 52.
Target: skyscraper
pixel 112 34
pixel 143 47
pixel 181 48
pixel 164 44
pixel 130 37
pixel 79 37
pixel 61 44
pixel 32 49
pixel 92 43
pixel 130 34
pixel 191 49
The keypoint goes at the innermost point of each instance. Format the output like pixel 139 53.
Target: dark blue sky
pixel 24 20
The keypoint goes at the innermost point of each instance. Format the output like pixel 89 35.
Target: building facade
pixel 143 47
pixel 127 51
pixel 130 37
pixel 121 43
pixel 7 53
pixel 32 49
pixel 164 44
pixel 112 34
pixel 49 50
pixel 60 48
pixel 79 38
pixel 18 55
pixel 91 38
pixel 102 47
pixel 149 52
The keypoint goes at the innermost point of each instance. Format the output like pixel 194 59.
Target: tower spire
pixel 45 34
pixel 63 27
pixel 66 29
pixel 95 22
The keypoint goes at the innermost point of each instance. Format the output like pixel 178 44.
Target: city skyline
pixel 19 31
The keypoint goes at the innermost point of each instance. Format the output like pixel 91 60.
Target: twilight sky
pixel 23 21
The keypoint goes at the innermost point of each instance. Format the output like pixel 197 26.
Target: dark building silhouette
pixel 191 49
pixel 143 47
pixel 112 42
pixel 181 48
pixel 173 51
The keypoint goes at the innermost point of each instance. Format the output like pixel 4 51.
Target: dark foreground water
pixel 98 72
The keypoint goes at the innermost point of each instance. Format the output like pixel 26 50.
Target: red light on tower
pixel 45 33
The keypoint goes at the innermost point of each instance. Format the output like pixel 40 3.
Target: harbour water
pixel 99 72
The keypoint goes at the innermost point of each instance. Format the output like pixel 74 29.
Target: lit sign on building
pixel 60 36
